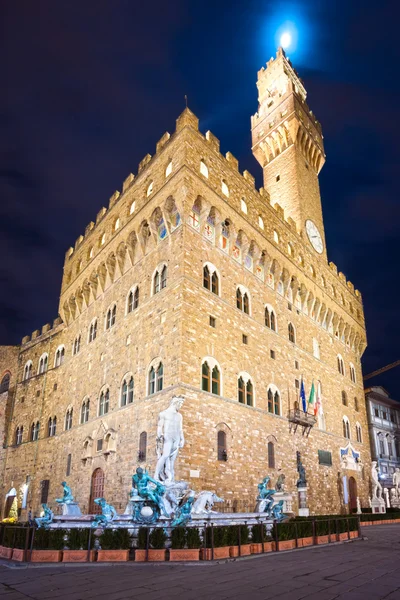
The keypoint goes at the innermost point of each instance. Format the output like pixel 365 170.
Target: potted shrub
pixel 322 532
pixel 18 552
pixel 257 539
pixel 221 547
pixel 115 545
pixel 140 552
pixel 185 544
pixel 304 534
pixel 77 542
pixel 157 540
pixel 48 545
pixel 8 537
pixel 233 540
pixel 286 536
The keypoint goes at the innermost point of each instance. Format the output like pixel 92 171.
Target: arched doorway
pixel 96 491
pixel 352 494
pixel 10 497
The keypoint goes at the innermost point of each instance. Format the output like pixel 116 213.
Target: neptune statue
pixel 67 496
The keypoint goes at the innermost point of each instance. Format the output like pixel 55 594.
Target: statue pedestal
pixel 304 511
pixel 378 505
pixel 395 502
pixel 287 501
pixel 71 509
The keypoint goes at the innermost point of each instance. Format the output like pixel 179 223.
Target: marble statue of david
pixel 169 440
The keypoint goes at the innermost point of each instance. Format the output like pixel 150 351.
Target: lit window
pixel 116 224
pixel 224 188
pixel 290 249
pixel 316 348
pixel 243 206
pixel 203 168
pixel 149 189
pixel 260 223
pixel 103 239
pixel 276 237
pixel 132 208
pixel 168 170
pixel 91 252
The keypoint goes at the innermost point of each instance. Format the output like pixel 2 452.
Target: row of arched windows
pixel 342 371
pixel 347 430
pixel 222 449
pixel 159 283
pixel 345 401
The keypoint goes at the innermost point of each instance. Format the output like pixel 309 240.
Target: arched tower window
pixel 291 333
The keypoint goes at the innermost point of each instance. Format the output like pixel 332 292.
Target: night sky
pixel 89 87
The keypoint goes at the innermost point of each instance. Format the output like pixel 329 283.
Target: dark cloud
pixel 89 87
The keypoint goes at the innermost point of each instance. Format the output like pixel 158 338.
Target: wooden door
pixel 96 491
pixel 353 493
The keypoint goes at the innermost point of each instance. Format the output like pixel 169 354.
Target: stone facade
pixel 134 297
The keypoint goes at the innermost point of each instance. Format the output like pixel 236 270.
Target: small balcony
pixel 298 417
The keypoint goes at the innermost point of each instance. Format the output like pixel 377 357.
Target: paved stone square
pixel 359 570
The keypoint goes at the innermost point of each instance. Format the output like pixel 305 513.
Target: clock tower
pixel 287 142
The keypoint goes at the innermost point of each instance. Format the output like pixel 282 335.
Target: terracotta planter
pixel 322 539
pixel 18 554
pixel 154 555
pixel 342 537
pixel 287 545
pixel 245 550
pixel 46 555
pixel 219 553
pixel 112 555
pixel 78 556
pixel 353 535
pixel 6 552
pixel 304 542
pixel 184 554
pixel 256 548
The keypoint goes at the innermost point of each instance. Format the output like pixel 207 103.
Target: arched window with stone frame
pixel 51 426
pixel 59 357
pixel 243 299
pixel 359 433
pixel 291 333
pixel 245 389
pixel 270 317
pixel 27 370
pixel 43 363
pixel 156 378
pixel 85 411
pixel 346 428
pixel 92 331
pixel 271 455
pixel 34 433
pixel 104 402
pixel 111 316
pixel 159 279
pixel 5 383
pixel 211 376
pixel 132 300
pixel 19 435
pixel 222 451
pixel 274 400
pixel 142 454
pixel 211 278
pixel 127 390
pixel 352 373
pixel 68 419
pixel 340 364
pixel 76 345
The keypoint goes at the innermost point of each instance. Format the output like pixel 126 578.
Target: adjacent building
pixel 193 282
pixel 384 432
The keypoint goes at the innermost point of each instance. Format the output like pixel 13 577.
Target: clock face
pixel 314 236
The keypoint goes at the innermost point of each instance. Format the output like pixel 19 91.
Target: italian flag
pixel 311 400
pixel 318 404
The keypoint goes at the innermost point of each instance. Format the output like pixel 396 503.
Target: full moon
pixel 286 39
